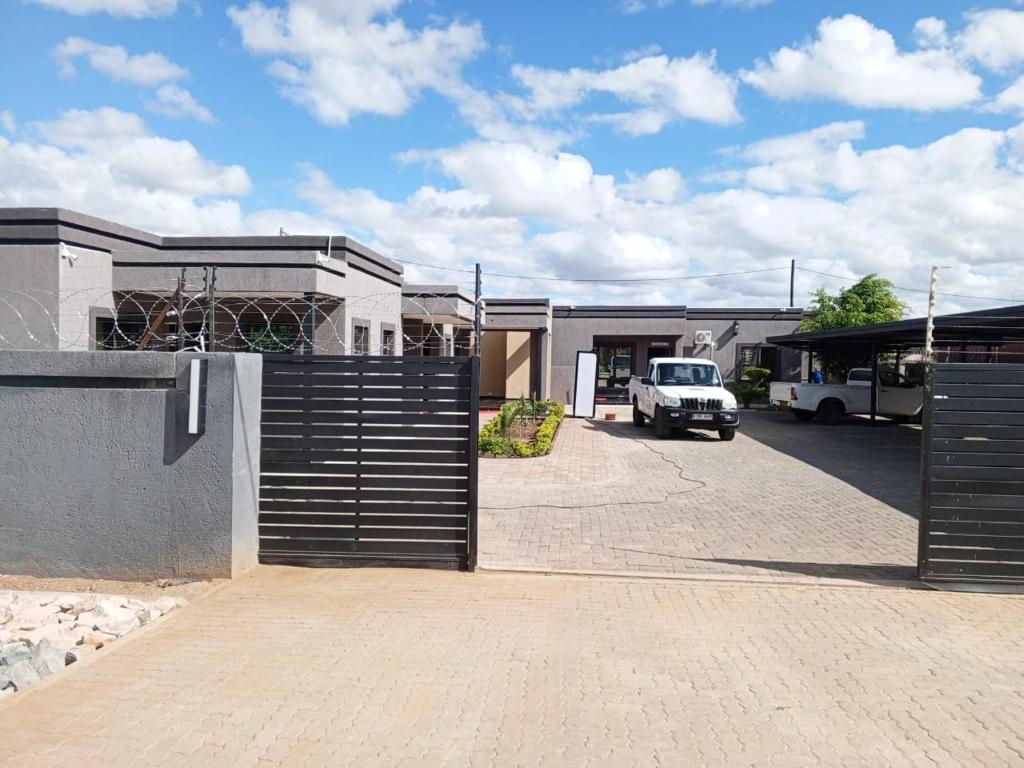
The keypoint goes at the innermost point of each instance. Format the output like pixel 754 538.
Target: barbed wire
pixel 172 319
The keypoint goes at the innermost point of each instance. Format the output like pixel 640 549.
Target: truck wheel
pixel 662 429
pixel 726 434
pixel 802 415
pixel 638 415
pixel 831 412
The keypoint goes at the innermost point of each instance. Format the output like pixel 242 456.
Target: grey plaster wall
pixel 99 478
pixel 727 342
pixel 49 301
pixel 369 298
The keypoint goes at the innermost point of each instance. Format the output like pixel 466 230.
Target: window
pixel 387 341
pixel 860 375
pixel 688 375
pixel 360 339
pixel 614 365
pixel 272 337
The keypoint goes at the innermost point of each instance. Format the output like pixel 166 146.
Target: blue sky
pixel 584 101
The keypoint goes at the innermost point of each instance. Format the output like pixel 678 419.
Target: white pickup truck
pixel 686 393
pixel 897 396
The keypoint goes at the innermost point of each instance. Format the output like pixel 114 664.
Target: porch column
pixel 309 324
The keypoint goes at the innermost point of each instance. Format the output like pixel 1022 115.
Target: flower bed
pixel 522 429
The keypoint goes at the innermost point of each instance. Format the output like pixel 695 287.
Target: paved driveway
pixel 293 667
pixel 783 499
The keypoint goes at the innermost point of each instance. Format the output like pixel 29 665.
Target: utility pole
pixel 477 318
pixel 792 281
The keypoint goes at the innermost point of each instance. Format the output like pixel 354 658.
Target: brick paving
pixel 784 499
pixel 293 667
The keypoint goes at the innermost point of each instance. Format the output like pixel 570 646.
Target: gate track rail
pixel 369 461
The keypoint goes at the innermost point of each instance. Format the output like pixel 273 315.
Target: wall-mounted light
pixel 735 327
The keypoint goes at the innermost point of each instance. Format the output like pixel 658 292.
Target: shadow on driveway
pixel 869 573
pixel 883 461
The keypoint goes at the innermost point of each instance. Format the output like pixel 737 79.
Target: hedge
pixel 493 441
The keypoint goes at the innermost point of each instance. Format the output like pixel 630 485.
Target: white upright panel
pixel 585 390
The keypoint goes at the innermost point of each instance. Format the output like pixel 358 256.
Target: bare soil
pixel 146 590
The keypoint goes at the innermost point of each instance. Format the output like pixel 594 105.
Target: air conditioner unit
pixel 703 338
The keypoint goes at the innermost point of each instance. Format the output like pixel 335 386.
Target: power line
pixel 850 278
pixel 670 278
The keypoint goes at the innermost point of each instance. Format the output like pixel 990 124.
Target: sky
pixel 687 149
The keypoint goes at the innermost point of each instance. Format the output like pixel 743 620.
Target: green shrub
pixel 752 386
pixel 494 435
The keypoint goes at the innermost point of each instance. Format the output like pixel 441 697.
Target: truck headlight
pixel 729 403
pixel 673 402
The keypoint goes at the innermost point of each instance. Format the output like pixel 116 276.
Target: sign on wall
pixel 585 388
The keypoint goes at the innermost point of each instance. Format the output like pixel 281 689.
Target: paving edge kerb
pixel 766 581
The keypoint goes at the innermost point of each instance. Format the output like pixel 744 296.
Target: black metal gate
pixel 972 501
pixel 369 461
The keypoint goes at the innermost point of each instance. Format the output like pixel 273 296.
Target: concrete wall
pixel 99 477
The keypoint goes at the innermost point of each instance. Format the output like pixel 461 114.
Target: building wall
pixel 85 292
pixel 29 291
pixel 751 331
pixel 99 477
pixel 573 334
pixel 517 364
pixel 493 364
pixel 50 302
pixel 369 298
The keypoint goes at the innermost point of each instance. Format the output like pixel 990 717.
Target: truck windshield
pixel 688 374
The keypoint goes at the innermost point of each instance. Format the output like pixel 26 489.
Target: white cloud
pixel 812 196
pixel 107 163
pixel 7 122
pixel 114 61
pixel 662 185
pixel 1011 99
pixel 664 89
pixel 930 32
pixel 131 8
pixel 994 37
pixel 855 62
pixel 175 101
pixel 342 59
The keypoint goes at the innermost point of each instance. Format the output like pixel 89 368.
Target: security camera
pixel 67 253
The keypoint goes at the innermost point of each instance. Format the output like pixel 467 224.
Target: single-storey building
pixel 71 281
pixel 65 277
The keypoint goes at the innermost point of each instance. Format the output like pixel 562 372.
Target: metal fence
pixel 972 501
pixel 369 461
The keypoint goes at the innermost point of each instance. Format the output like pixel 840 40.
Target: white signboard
pixel 585 389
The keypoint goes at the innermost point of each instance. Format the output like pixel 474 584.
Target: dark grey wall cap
pixel 643 312
pixel 744 313
pixel 49 225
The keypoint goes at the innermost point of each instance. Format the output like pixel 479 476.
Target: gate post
pixel 926 468
pixel 474 461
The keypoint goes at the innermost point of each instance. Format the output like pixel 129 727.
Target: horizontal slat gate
pixel 369 461
pixel 972 500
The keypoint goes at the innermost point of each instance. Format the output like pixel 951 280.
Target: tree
pixel 871 300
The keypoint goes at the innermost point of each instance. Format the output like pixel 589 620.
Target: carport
pixel 987 336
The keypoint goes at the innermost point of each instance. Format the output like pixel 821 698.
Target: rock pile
pixel 42 632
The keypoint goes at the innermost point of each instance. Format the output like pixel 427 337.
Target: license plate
pixel 702 416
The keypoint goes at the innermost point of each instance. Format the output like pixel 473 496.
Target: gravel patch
pixel 42 632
